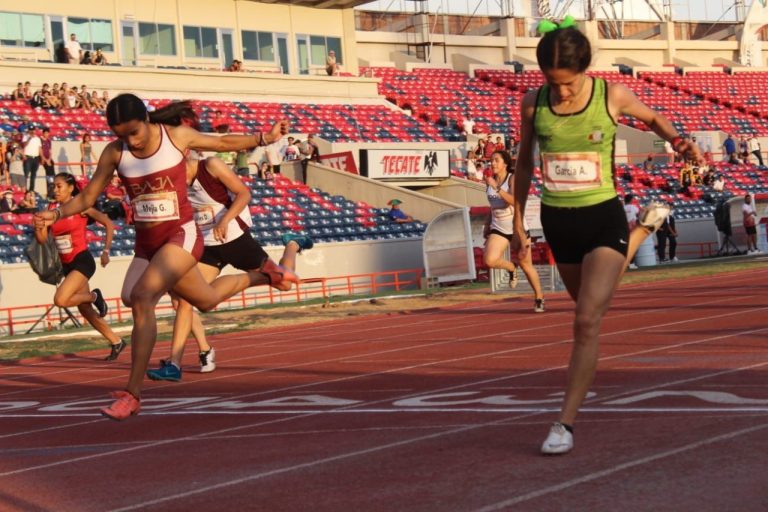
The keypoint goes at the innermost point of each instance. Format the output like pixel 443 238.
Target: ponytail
pixel 70 180
pixel 175 114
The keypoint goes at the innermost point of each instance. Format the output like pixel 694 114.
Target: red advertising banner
pixel 342 161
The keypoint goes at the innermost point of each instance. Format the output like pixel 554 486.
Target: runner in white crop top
pixel 499 227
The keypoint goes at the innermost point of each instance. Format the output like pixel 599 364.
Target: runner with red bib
pixel 78 263
pixel 149 157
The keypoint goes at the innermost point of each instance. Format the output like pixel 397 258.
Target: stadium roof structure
pixel 319 4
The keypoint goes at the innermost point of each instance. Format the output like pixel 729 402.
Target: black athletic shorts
pixel 508 237
pixel 243 253
pixel 751 230
pixel 574 232
pixel 83 263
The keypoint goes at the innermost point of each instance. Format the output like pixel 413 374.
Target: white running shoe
pixel 653 215
pixel 208 361
pixel 558 441
pixel 632 266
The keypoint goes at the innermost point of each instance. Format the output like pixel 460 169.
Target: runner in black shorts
pixel 220 201
pixel 573 118
pixel 78 263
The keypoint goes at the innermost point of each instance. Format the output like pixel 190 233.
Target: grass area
pixel 44 344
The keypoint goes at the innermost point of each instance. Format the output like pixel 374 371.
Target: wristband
pixel 57 213
pixel 676 142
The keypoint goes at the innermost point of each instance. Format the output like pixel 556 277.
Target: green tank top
pixel 576 151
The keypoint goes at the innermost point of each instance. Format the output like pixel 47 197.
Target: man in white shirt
pixel 32 149
pixel 74 50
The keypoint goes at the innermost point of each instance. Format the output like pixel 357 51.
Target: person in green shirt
pixel 573 118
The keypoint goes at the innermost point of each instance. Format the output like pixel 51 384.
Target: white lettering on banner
pixel 715 397
pixel 63 243
pixel 288 401
pixel 10 406
pixel 569 172
pixel 204 215
pixel 146 404
pixel 160 206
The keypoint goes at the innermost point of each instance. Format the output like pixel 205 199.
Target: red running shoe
pixel 278 274
pixel 125 405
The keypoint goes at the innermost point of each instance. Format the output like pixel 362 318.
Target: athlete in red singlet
pixel 79 266
pixel 149 155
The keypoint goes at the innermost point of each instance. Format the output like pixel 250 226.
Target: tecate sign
pixel 405 163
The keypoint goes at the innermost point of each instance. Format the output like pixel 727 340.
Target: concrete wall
pixel 281 17
pixel 460 191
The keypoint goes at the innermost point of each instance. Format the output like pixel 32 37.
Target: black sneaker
pixel 538 306
pixel 116 349
pixel 100 304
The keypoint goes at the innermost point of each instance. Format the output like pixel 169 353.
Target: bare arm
pixel 41 234
pixel 234 184
pixel 87 198
pixel 523 169
pixel 623 101
pixel 189 138
pixel 105 221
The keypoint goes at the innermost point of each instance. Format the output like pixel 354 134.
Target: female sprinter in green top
pixel 573 118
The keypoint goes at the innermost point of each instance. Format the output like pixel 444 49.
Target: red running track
pixel 442 410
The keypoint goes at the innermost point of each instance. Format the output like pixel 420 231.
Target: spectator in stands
pixel 219 123
pixel 499 146
pixel 69 97
pixel 99 59
pixel 500 225
pixel 274 155
pixel 729 150
pixel 489 148
pixel 574 113
pixel 6 179
pixel 235 66
pixel 97 103
pixel 265 171
pixel 467 127
pixel 744 149
pixel 648 164
pixel 291 151
pixel 114 199
pixel 474 171
pixel 331 66
pixel 85 98
pixel 709 178
pixel 719 183
pixel 24 125
pixel 46 160
pixel 686 177
pixel 310 150
pixel 7 204
pixel 32 151
pixel 755 149
pixel 480 150
pixel 667 233
pixel 74 50
pixel 86 155
pixel 39 98
pixel 749 215
pixel 29 203
pixel 16 164
pixel 27 90
pixel 87 59
pixel 18 92
pixel 396 214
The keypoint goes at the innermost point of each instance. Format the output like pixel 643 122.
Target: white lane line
pixel 620 467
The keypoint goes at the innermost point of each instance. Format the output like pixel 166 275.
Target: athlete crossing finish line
pixel 573 117
pixel 149 158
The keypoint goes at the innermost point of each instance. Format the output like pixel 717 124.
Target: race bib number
pixel 63 244
pixel 502 213
pixel 155 207
pixel 204 216
pixel 571 172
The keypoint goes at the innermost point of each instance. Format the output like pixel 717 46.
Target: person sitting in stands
pixel 396 214
pixel 7 204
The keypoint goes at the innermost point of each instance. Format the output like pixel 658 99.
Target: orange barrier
pixel 14 320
